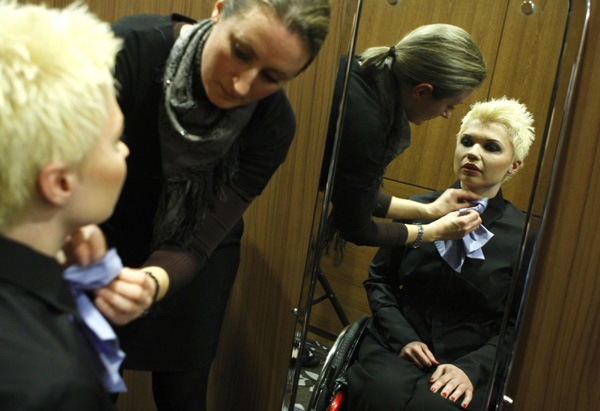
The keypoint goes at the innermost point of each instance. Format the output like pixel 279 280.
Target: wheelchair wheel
pixel 337 361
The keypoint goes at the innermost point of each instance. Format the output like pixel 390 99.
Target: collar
pixel 495 207
pixel 36 273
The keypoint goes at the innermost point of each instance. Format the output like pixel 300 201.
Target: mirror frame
pixel 559 113
pixel 315 246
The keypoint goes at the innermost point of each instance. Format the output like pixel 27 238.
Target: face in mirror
pixel 427 156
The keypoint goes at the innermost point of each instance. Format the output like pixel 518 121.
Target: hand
pixel 451 382
pixel 452 226
pixel 452 199
pixel 84 246
pixel 418 353
pixel 126 297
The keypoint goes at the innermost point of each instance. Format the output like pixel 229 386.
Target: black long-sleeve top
pixel 265 141
pixel 361 163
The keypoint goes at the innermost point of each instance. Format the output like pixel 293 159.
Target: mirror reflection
pixel 516 67
pixel 436 315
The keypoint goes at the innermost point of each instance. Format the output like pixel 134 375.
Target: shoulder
pixel 426 197
pixel 273 118
pixel 147 34
pixel 512 217
pixel 140 24
pixel 42 343
pixel 147 24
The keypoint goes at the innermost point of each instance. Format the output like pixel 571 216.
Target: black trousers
pixel 380 380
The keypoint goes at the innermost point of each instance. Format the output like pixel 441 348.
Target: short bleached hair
pixel 512 114
pixel 55 69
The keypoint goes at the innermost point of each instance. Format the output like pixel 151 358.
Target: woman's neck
pixel 489 192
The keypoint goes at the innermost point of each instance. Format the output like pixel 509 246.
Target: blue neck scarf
pixel 454 252
pixel 96 328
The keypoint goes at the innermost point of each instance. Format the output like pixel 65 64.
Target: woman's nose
pixel 243 82
pixel 473 152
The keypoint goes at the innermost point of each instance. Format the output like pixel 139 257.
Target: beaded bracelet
pixel 417 242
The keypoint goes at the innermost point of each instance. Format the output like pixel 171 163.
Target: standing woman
pixel 430 71
pixel 207 123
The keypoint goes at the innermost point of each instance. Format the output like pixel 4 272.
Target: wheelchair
pixel 330 390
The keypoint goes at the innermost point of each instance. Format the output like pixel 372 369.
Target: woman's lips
pixel 471 169
pixel 227 95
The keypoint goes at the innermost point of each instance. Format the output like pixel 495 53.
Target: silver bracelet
pixel 417 242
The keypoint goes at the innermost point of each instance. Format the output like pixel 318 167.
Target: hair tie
pixel 392 52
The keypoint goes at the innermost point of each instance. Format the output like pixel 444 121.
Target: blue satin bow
pixel 454 252
pixel 97 329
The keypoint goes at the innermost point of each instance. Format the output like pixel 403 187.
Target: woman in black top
pixel 432 339
pixel 430 71
pixel 207 123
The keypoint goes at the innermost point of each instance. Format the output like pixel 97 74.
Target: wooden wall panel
pixel 527 65
pixel 557 361
pixel 428 161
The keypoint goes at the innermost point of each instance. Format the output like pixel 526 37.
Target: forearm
pixel 182 265
pixel 401 208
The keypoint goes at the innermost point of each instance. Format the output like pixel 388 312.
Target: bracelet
pixel 417 242
pixel 156 289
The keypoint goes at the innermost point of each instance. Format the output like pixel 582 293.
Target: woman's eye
pixel 269 78
pixel 239 53
pixel 493 147
pixel 466 141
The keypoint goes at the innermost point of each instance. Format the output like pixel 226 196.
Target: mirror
pixel 523 43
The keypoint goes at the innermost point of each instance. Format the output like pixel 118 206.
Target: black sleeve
pixel 183 265
pixel 360 166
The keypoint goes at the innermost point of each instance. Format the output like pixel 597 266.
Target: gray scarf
pixel 199 142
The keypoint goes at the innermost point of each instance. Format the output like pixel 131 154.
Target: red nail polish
pixel 464 405
pixel 444 394
pixel 452 398
pixel 431 379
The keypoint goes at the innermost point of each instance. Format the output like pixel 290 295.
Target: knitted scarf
pixel 199 142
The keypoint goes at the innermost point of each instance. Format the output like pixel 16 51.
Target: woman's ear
pixel 514 167
pixel 421 90
pixel 216 13
pixel 57 183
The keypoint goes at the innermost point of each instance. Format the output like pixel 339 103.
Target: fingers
pixel 472 220
pixel 452 383
pixel 126 297
pixel 418 353
pixel 85 245
pixel 466 195
pixel 468 398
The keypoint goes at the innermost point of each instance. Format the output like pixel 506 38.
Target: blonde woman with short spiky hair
pixel 512 115
pixel 63 166
pixel 53 100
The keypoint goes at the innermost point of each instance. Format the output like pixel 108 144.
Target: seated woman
pixel 433 335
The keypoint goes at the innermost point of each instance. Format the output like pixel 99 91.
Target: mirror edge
pixel 572 49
